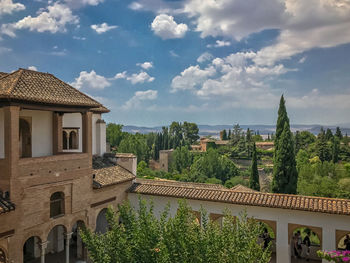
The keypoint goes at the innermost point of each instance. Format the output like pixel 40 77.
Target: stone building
pixel 49 133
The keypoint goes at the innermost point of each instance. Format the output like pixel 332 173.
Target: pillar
pixel 11 135
pixel 282 246
pixel 328 239
pixel 87 134
pixel 57 138
pixel 67 236
pixel 43 246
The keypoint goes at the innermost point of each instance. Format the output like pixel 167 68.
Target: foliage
pixel 142 237
pixel 254 174
pixel 212 165
pixel 114 134
pixel 182 159
pixel 285 175
pixel 334 255
pixel 235 181
pixel 136 144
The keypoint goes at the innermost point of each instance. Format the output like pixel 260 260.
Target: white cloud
pixel 79 38
pixel 80 3
pixel 33 68
pixel 302 60
pixel 220 43
pixel 204 57
pixel 165 27
pixel 191 77
pixel 173 54
pixel 102 28
pixel 141 77
pixel 136 6
pixel 139 97
pixel 8 7
pixel 121 75
pixel 5 50
pixel 90 80
pixel 145 65
pixel 157 6
pixel 53 20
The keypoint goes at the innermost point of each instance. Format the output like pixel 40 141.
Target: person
pixel 266 238
pixel 347 242
pixel 295 245
pixel 307 244
pixel 299 241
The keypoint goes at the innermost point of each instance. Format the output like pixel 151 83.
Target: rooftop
pixel 216 193
pixel 38 87
pixel 111 175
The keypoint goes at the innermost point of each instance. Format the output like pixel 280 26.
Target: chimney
pixel 128 161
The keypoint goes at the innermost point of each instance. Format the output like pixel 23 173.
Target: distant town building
pixel 165 159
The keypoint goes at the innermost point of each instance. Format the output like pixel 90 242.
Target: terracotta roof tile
pixel 218 193
pixel 3 74
pixel 242 188
pixel 111 175
pixel 6 205
pixel 38 87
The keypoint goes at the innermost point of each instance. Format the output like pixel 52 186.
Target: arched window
pixel 73 140
pixel 2 256
pixel 56 204
pixel 64 140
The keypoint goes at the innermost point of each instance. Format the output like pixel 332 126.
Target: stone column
pixel 57 136
pixel 67 236
pixel 87 134
pixel 282 243
pixel 43 246
pixel 328 239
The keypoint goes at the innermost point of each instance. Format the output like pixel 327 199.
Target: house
pixel 204 142
pixel 265 145
pixel 55 176
pixel 49 133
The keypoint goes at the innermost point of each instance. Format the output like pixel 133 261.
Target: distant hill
pixel 214 130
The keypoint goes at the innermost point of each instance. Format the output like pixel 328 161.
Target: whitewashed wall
pixel 41 131
pixel 95 117
pixel 74 120
pixel 98 135
pixel 2 135
pixel 328 222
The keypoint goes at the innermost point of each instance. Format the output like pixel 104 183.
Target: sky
pixel 152 62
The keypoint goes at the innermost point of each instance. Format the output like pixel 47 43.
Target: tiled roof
pixel 6 205
pixel 284 201
pixel 110 176
pixel 125 155
pixel 38 87
pixel 2 74
pixel 242 188
pixel 101 109
pixel 179 184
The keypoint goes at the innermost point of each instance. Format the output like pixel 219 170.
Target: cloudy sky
pixel 206 61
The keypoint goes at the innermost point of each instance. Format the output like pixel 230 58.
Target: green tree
pixel 142 238
pixel 114 134
pixel 236 134
pixel 223 135
pixel 136 144
pixel 323 150
pixel 335 149
pixel 285 175
pixel 182 159
pixel 329 134
pixel 190 132
pixel 229 134
pixel 254 173
pixel 338 133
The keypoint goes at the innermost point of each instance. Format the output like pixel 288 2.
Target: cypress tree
pixel 338 133
pixel 285 175
pixel 229 134
pixel 335 150
pixel 254 174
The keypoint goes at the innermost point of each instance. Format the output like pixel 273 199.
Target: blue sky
pixel 211 62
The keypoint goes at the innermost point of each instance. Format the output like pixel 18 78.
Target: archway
pixel 2 256
pixel 31 249
pixel 64 140
pixel 55 251
pixel 73 140
pixel 343 238
pixel 101 222
pixel 77 248
pixel 298 243
pixel 25 138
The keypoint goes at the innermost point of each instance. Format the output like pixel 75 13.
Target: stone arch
pixel 65 140
pixel 73 140
pixel 3 255
pixel 56 239
pixel 25 137
pixel 75 220
pixel 31 248
pixel 77 248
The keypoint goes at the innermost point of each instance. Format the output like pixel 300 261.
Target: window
pixel 70 138
pixel 25 137
pixel 56 204
pixel 2 256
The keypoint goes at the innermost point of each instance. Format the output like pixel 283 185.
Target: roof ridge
pixel 256 193
pixel 76 90
pixel 20 71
